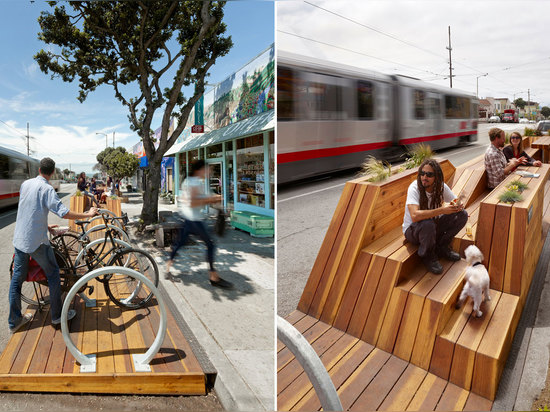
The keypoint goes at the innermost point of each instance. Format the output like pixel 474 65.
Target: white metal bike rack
pixel 311 363
pixel 88 362
pixel 91 303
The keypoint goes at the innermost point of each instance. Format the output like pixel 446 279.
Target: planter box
pixel 77 204
pixel 257 225
pixel 114 206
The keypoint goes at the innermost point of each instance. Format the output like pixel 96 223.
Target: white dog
pixel 477 280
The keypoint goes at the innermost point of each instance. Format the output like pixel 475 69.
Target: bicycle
pixel 124 291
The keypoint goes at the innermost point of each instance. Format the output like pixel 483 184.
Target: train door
pixel 434 121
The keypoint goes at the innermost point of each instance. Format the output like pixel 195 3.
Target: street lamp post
pixel 477 84
pixel 105 134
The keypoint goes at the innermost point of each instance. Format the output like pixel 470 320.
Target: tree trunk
pixel 149 212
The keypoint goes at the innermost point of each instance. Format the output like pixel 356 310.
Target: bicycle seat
pixel 81 222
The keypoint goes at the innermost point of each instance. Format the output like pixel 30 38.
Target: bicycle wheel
pixel 38 293
pixel 68 244
pixel 126 291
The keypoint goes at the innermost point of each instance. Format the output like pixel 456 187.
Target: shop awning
pixel 255 124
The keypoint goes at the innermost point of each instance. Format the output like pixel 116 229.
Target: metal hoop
pixel 88 363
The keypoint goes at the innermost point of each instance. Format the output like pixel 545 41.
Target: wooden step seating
pixel 375 289
pixel 36 358
pixel 366 378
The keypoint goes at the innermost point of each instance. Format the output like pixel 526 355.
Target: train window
pixel 433 106
pixel 33 167
pixel 4 166
pixel 365 100
pixel 18 169
pixel 457 107
pixel 419 112
pixel 324 101
pixel 286 86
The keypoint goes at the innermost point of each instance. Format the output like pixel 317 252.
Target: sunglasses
pixel 515 137
pixel 429 174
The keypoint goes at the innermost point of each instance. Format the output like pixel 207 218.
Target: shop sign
pixel 197 128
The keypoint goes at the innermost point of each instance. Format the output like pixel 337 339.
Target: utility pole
pixel 529 101
pixel 450 60
pixel 28 141
pixel 113 139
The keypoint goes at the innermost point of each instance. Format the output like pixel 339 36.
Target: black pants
pixel 198 228
pixel 435 234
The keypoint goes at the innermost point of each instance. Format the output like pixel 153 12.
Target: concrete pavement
pixel 234 327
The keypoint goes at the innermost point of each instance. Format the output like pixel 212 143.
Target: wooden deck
pixel 36 358
pixel 365 377
pixel 385 328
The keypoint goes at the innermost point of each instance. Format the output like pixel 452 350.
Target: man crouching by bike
pixel 30 239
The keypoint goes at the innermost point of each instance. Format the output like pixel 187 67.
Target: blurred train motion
pixel 15 168
pixel 331 116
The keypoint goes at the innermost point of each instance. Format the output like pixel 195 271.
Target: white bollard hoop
pixel 88 362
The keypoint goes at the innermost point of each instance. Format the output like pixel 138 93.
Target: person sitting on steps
pixel 429 222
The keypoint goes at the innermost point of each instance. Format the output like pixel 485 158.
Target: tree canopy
pixel 519 102
pixel 545 111
pixel 117 162
pixel 138 43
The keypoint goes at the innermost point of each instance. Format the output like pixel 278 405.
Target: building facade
pixel 239 140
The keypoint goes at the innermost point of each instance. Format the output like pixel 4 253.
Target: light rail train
pixel 331 116
pixel 15 168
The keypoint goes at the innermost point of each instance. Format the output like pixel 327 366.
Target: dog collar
pixel 477 263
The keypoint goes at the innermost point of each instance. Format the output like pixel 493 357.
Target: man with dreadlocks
pixel 429 222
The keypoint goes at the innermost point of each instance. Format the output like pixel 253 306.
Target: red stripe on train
pixel 338 151
pixel 9 195
pixel 413 140
pixel 333 151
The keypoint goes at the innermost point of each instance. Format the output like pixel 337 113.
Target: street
pixel 304 212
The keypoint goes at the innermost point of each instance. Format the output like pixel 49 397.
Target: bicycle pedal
pixel 90 290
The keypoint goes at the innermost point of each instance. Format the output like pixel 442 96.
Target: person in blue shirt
pixel 30 239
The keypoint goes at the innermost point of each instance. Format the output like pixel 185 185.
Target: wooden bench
pixel 368 284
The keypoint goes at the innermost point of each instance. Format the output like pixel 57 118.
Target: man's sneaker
pixel 449 254
pixel 23 321
pixel 434 266
pixel 71 314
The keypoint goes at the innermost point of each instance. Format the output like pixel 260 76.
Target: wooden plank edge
pixel 189 383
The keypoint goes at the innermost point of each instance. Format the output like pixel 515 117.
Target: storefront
pixel 239 145
pixel 240 160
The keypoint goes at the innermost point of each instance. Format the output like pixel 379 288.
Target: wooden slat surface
pixel 36 358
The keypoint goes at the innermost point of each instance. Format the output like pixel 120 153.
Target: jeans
pixel 45 257
pixel 195 227
pixel 432 235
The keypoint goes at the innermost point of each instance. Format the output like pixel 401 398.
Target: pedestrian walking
pixel 193 200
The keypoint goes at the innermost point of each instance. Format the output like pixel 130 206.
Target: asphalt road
pixel 72 402
pixel 304 212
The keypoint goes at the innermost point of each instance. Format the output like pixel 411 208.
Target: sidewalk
pixel 234 327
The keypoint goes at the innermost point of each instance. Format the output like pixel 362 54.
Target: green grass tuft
pixel 510 196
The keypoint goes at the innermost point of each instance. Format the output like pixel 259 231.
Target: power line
pixel 387 35
pixel 356 52
pixel 11 127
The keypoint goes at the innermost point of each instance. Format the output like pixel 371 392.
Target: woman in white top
pixel 192 202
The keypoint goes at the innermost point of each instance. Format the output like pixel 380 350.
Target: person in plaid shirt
pixel 495 161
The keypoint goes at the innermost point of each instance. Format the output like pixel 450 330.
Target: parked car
pixel 543 126
pixel 494 119
pixel 524 120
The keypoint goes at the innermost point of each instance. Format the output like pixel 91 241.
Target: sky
pixel 60 126
pixel 507 40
